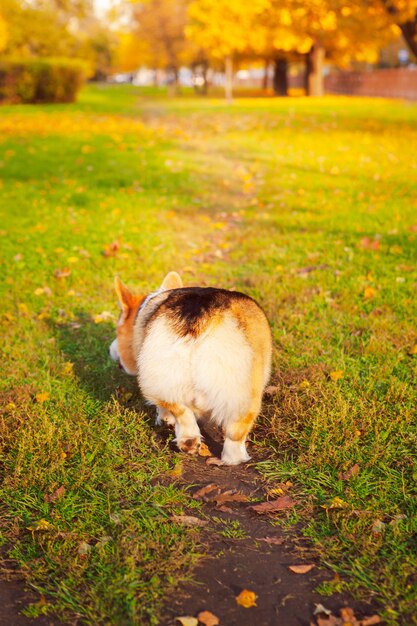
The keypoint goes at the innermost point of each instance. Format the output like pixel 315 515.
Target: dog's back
pixel 206 349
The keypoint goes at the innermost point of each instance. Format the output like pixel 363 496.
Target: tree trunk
pixel 228 85
pixel 409 31
pixel 280 80
pixel 173 81
pixel 265 80
pixel 314 71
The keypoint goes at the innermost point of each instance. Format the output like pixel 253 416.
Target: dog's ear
pixel 124 295
pixel 171 281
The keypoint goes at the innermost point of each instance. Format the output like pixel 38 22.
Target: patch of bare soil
pixel 246 551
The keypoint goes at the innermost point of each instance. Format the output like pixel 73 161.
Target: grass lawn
pixel 308 205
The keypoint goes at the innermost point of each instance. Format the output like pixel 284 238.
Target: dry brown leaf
pixel 280 504
pixel 213 460
pixel 370 244
pixel 348 616
pixel 370 621
pixel 351 472
pixel 111 249
pixel 301 569
pixel 55 495
pixel 208 619
pixel 62 273
pixel 273 541
pixel 189 520
pixel 201 493
pixel 229 496
pixel 330 620
pixel 271 390
pixel 203 450
pixel 246 598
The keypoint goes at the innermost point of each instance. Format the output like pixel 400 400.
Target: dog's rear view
pixel 198 353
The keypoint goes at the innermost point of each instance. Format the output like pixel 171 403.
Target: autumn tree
pixel 160 26
pixel 225 31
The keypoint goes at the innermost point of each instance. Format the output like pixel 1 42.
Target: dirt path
pixel 246 562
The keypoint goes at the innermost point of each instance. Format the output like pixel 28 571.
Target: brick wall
pixel 390 83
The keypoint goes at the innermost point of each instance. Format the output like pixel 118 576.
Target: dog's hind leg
pixel 164 416
pixel 236 430
pixel 187 432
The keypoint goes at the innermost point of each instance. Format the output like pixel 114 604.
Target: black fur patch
pixel 191 308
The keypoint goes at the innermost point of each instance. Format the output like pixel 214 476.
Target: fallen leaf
pixel 301 569
pixel 103 317
pixel 68 368
pixel 42 397
pixel 337 375
pixel 280 504
pixel 229 496
pixel 303 271
pixel 62 273
pixel 189 520
pixel 274 541
pixel 84 548
pixel 111 249
pixel 331 620
pixel 321 609
pixel 58 493
pixel 203 450
pixel 246 598
pixel 370 244
pixel 40 525
pixel 187 620
pixel 370 621
pixel 413 350
pixel 201 493
pixel 271 390
pixel 351 472
pixel 348 616
pixel 378 527
pixel 208 619
pixel 336 503
pixel 212 460
pixel 369 293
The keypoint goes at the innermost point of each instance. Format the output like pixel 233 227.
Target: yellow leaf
pixel 72 259
pixel 186 620
pixel 336 503
pixel 68 367
pixel 336 375
pixel 203 450
pixel 42 397
pixel 413 350
pixel 246 598
pixel 38 291
pixel 40 525
pixel 369 293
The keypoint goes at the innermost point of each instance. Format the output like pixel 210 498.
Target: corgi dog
pixel 197 352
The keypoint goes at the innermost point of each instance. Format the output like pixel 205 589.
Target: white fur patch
pixel 211 372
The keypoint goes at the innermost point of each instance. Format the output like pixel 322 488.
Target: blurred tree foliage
pixel 51 28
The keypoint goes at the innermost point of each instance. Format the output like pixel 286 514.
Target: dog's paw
pixel 190 445
pixel 234 453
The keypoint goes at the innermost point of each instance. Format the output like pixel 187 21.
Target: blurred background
pixel 265 47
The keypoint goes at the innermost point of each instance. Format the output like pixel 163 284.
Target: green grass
pixel 309 206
